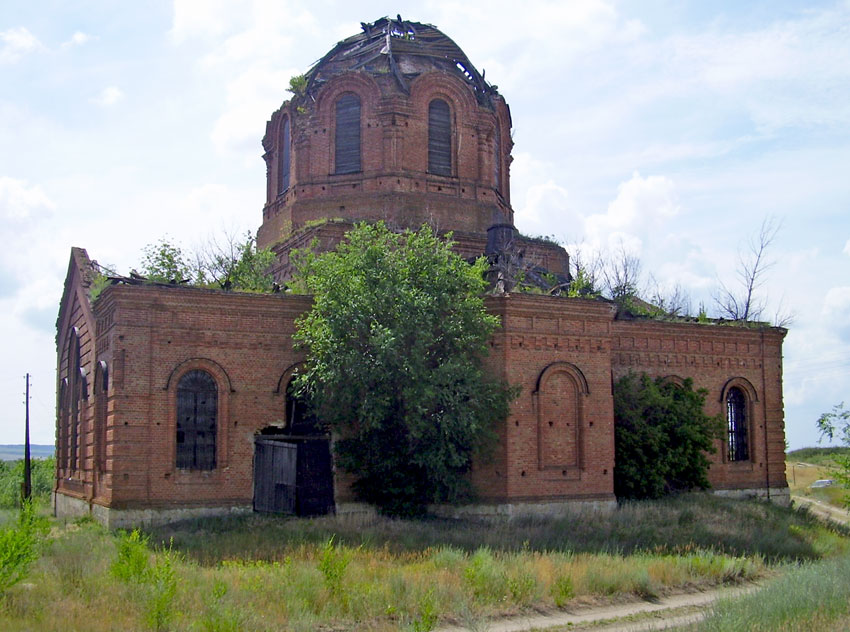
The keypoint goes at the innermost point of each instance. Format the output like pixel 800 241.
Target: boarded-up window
pixel 439 138
pixel 347 134
pixel 285 142
pixel 736 423
pixel 197 410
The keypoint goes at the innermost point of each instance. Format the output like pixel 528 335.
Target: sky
pixel 671 129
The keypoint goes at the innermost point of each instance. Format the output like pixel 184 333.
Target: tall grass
pixel 814 596
pixel 675 525
pixel 261 573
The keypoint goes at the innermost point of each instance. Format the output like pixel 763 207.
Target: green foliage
pixel 240 266
pixel 42 472
pixel 297 85
pixel 662 437
pixel 162 591
pixel 20 546
pixel 156 583
pixel 132 564
pixel 562 590
pixel 835 425
pixel 395 342
pixel 582 286
pixel 164 262
pixel 332 564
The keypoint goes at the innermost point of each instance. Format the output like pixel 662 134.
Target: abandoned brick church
pixel 172 401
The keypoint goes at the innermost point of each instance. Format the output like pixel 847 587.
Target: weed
pixel 427 619
pixel 133 560
pixel 562 590
pixel 162 591
pixel 332 564
pixel 484 577
pixel 20 546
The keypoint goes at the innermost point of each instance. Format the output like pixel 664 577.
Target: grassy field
pixel 261 573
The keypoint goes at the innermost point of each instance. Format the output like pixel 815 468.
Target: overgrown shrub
pixel 20 546
pixel 662 437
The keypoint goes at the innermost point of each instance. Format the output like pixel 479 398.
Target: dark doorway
pixel 293 470
pixel 293 475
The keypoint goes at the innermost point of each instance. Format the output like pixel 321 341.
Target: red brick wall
pixel 557 443
pixel 716 357
pixel 394 184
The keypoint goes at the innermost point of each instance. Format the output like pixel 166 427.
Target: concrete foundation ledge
pixel 71 508
pixel 498 512
pixel 779 495
pixel 356 513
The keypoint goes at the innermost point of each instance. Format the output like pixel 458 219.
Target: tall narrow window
pixel 497 158
pixel 101 387
pixel 76 399
pixel 439 138
pixel 285 142
pixel 197 410
pixel 347 134
pixel 736 423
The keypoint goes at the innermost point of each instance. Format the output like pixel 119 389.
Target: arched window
pixel 197 413
pixel 347 134
pixel 285 142
pixel 76 386
pixel 439 138
pixel 736 424
pixel 64 412
pixel 101 387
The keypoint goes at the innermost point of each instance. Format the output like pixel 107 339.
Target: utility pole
pixel 27 487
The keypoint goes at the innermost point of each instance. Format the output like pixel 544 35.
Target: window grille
pixel 439 138
pixel 347 134
pixel 197 410
pixel 285 142
pixel 736 423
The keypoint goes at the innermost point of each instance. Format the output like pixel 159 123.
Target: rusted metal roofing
pixel 404 49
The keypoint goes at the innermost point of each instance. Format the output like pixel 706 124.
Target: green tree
pixel 237 265
pixel 835 425
pixel 662 437
pixel 395 342
pixel 164 262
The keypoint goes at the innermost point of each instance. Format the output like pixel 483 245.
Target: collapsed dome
pixel 403 49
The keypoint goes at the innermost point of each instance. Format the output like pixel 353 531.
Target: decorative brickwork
pixel 121 358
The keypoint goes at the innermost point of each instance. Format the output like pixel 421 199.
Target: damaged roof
pixel 405 50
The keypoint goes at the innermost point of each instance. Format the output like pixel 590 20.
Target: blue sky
pixel 673 128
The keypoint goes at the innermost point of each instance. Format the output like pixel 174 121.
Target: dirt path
pixel 666 613
pixel 822 510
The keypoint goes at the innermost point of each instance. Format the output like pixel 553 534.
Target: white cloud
pixel 847 248
pixel 639 208
pixel 108 96
pixel 15 43
pixel 77 39
pixel 20 201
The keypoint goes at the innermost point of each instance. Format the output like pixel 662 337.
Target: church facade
pixel 173 401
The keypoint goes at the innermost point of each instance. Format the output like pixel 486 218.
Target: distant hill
pixel 15 452
pixel 817 455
